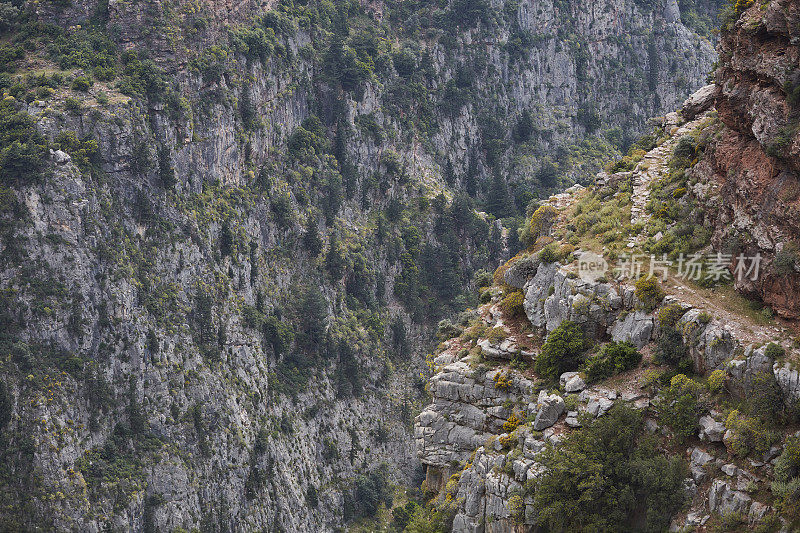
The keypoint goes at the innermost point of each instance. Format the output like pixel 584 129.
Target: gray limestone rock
pixel 710 429
pixel 566 376
pixel 550 409
pixel 724 500
pixel 743 372
pixel 576 384
pixel 636 327
pixel 700 101
pixel 788 379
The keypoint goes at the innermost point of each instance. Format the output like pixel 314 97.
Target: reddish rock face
pixel 755 158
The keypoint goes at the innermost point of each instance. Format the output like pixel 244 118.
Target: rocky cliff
pixel 227 229
pixel 754 159
pixel 499 416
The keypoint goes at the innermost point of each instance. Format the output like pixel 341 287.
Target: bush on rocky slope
pixel 562 351
pixel 609 476
pixel 612 358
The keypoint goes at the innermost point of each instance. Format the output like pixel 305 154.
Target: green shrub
pixel 538 225
pixel 562 351
pixel 549 254
pixel 512 304
pixel 81 83
pixel 598 366
pixel 671 350
pixel 748 434
pixel 716 380
pixel 685 147
pixel 764 398
pixel 788 464
pixel 87 48
pixel 83 152
pixel 308 139
pixel 610 476
pixel 649 292
pixel 142 78
pixel 613 358
pixel 278 334
pixel 679 407
pixel 370 491
pixel 786 484
pixel 774 351
pixel 255 43
pixel 73 105
pixel 503 381
pixel 669 315
pixel 23 150
pixel 10 54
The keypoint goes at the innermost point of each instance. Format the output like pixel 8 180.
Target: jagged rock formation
pixel 754 159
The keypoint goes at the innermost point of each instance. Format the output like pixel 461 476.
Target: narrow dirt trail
pixel 723 303
pixel 653 166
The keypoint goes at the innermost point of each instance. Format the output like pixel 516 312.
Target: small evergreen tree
pixel 562 351
pixel 499 201
pixel 311 238
pixel 165 170
pixel 226 239
pixel 335 261
pixel 524 127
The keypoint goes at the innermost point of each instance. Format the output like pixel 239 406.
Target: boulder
pixel 576 384
pixel 730 469
pixel 61 157
pixel 710 343
pixel 743 372
pixel 788 379
pixel 757 512
pixel 491 351
pixel 711 430
pixel 700 101
pixel 723 500
pixel 572 419
pixel 700 457
pixel 599 406
pixel 550 409
pixel 566 376
pixel 522 270
pixel 636 327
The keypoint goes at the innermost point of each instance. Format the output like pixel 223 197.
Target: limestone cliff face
pixel 178 349
pixel 491 416
pixel 755 158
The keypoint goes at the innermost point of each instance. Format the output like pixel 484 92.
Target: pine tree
pixel 524 127
pixel 449 174
pixel 334 196
pixel 471 178
pixel 313 315
pixel 311 238
pixel 165 171
pixel 226 239
pixel 499 202
pixel 335 261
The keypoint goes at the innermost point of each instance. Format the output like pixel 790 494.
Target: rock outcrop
pixel 754 157
pixel 467 423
